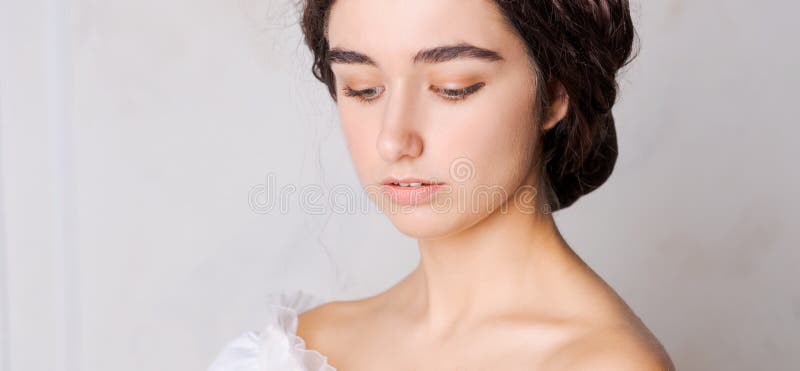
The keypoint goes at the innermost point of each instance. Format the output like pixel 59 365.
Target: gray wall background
pixel 133 133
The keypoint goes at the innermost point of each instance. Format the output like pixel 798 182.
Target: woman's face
pixel 463 117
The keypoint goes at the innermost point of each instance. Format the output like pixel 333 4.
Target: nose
pixel 399 136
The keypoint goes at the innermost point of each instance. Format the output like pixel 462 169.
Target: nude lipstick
pixel 410 190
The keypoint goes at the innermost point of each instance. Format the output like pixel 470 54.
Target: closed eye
pixel 366 95
pixel 451 95
pixel 457 95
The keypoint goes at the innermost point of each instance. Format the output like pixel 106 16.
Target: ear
pixel 559 105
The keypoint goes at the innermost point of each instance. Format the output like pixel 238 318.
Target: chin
pixel 426 223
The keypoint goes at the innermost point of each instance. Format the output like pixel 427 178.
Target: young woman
pixel 469 122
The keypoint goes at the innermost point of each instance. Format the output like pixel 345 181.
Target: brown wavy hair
pixel 580 43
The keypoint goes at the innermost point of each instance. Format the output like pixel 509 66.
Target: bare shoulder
pixel 315 323
pixel 328 324
pixel 617 348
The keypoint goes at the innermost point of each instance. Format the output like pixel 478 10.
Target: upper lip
pixel 391 180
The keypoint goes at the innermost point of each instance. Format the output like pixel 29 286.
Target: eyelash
pixel 450 95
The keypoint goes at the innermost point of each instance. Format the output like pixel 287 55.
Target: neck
pixel 506 259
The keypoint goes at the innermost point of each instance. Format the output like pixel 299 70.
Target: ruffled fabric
pixel 276 347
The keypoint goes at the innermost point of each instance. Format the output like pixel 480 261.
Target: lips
pixel 409 190
pixel 409 181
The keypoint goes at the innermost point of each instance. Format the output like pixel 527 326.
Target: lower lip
pixel 410 195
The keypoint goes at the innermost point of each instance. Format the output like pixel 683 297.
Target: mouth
pixel 409 182
pixel 410 191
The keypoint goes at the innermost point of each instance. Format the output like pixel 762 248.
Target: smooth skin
pixel 496 288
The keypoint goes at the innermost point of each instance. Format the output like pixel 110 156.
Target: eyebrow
pixel 438 54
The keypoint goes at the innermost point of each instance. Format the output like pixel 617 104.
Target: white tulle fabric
pixel 276 347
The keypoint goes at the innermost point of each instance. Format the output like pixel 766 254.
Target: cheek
pixel 360 135
pixel 497 136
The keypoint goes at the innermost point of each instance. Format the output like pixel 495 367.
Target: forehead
pixel 395 30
